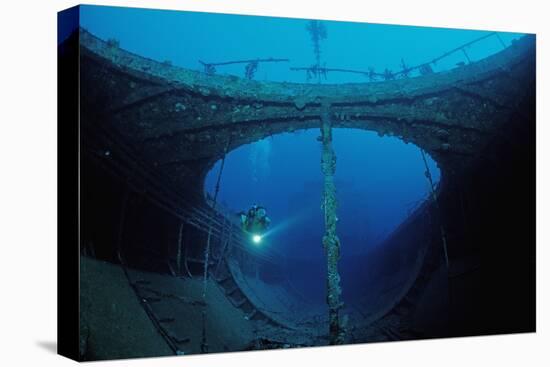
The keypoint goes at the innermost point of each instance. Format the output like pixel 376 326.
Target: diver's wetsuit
pixel 256 220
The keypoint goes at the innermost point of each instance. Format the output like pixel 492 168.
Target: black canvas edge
pixel 68 215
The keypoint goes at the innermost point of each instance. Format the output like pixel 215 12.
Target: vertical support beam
pixel 215 200
pixel 204 344
pixel 224 249
pixel 437 208
pixel 331 242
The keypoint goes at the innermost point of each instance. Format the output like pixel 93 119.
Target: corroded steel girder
pixel 331 242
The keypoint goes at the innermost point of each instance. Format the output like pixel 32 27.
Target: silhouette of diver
pixel 255 221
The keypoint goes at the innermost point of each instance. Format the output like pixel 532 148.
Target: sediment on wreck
pixel 331 242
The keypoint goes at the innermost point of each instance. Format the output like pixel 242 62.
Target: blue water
pixel 379 180
pixel 186 37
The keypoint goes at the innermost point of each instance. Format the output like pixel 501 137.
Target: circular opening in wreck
pixel 380 183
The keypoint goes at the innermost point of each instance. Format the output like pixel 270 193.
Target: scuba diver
pixel 255 221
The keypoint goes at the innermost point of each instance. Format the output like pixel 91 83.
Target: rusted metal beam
pixel 331 242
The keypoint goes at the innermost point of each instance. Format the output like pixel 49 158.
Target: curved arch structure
pixel 180 119
pixel 160 128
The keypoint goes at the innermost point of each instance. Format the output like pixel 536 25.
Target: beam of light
pixel 267 248
pixel 290 221
pixel 284 225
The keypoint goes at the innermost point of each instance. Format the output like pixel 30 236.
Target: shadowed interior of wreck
pixel 150 132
